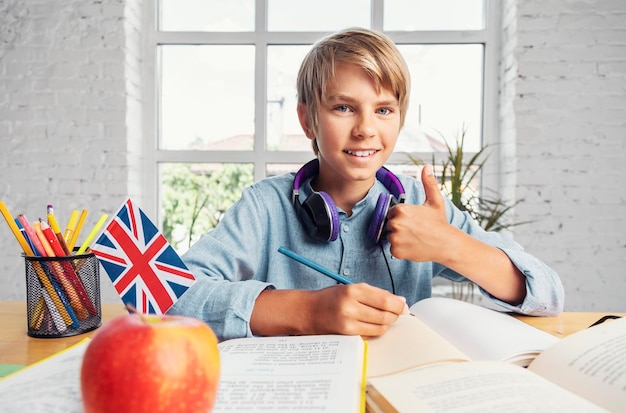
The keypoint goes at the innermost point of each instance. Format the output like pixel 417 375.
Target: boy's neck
pixel 345 196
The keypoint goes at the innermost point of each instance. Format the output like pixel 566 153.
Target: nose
pixel 364 127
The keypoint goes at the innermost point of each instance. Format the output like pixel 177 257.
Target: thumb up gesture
pixel 421 232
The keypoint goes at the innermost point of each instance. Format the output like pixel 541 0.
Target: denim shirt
pixel 238 259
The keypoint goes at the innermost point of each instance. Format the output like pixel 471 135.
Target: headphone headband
pixel 309 169
pixel 392 183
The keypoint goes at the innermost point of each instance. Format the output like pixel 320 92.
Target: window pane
pixel 320 15
pixel 194 197
pixel 446 96
pixel 274 169
pixel 283 129
pixel 412 15
pixel 207 97
pixel 207 15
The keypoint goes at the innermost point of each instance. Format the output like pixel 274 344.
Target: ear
pixel 303 118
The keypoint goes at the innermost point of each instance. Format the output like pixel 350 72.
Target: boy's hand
pixel 420 232
pixel 354 309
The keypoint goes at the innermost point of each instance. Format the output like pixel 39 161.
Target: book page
pixel 473 387
pixel 482 333
pixel 591 363
pixel 408 343
pixel 51 385
pixel 296 373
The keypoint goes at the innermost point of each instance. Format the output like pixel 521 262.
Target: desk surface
pixel 16 347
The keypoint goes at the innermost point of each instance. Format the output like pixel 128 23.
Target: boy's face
pixel 357 128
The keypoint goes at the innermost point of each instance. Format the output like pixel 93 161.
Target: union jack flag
pixel 145 270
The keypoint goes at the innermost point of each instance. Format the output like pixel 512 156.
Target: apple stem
pixel 131 308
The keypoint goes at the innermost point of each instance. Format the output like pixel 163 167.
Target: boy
pixel 353 92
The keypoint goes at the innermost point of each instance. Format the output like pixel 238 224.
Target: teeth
pixel 361 153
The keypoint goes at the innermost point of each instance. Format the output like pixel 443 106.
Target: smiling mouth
pixel 361 153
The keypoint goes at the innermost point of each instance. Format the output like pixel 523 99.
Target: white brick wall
pixel 564 118
pixel 64 132
pixel 71 107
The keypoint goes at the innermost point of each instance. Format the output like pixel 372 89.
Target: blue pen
pixel 64 299
pixel 23 231
pixel 313 265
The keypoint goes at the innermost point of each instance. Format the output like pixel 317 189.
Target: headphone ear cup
pixel 323 216
pixel 376 231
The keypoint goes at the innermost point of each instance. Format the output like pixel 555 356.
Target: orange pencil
pixel 42 239
pixel 68 269
pixel 64 279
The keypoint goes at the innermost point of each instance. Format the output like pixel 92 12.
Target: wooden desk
pixel 566 323
pixel 16 347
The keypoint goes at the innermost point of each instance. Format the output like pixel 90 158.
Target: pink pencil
pixel 30 231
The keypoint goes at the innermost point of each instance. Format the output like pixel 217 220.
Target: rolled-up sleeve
pixel 225 263
pixel 544 290
pixel 224 305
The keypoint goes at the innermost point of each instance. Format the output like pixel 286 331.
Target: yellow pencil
pixel 16 231
pixel 71 225
pixel 36 265
pixel 79 226
pixel 38 314
pixel 364 377
pixel 92 234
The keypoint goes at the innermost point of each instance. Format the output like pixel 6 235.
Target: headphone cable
pixel 393 286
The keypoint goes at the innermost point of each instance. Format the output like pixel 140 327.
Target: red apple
pixel 151 363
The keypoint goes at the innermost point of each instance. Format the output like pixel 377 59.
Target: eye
pixel 384 111
pixel 342 108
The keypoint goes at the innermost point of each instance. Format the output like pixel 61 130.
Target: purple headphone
pixel 318 212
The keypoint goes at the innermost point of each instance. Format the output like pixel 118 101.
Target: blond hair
pixel 371 51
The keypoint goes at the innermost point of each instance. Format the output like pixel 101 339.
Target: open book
pixel 444 329
pixel 323 373
pixel 477 368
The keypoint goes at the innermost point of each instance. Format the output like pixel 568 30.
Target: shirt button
pixel 346 227
pixel 346 271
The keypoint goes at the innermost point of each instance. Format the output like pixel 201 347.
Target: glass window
pixel 225 91
pixel 195 196
pixel 207 15
pixel 446 96
pixel 319 15
pixel 274 169
pixel 207 97
pixel 283 128
pixel 409 15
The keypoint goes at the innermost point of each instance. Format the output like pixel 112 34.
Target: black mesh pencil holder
pixel 62 295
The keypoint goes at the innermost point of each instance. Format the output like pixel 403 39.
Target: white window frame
pixel 261 38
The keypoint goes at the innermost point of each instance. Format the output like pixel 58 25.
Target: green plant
pixel 459 181
pixel 196 196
